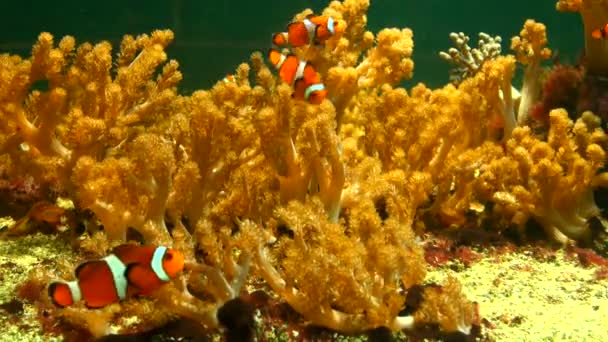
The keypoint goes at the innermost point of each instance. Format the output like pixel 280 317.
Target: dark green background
pixel 212 37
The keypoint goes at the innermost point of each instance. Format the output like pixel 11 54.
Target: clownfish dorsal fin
pixel 120 249
pixel 81 268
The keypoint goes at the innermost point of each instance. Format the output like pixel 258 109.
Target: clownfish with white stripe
pixel 301 75
pixel 315 29
pixel 229 79
pixel 129 271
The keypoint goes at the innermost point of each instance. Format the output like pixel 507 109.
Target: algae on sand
pixel 527 299
pixel 18 257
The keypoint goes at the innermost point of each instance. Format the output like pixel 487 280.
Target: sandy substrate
pixel 523 295
pixel 522 298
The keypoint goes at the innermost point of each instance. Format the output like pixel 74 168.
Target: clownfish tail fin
pixel 63 293
pixel 275 57
pixel 280 39
pixel 80 268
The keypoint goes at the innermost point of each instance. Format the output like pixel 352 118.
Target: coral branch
pixel 530 50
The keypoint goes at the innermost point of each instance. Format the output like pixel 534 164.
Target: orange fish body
pixel 299 74
pixel 229 79
pixel 600 33
pixel 315 29
pixel 130 270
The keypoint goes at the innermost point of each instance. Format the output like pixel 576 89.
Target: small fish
pixel 600 33
pixel 129 271
pixel 42 216
pixel 315 29
pixel 229 79
pixel 301 75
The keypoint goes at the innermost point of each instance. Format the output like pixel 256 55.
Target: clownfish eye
pixel 168 256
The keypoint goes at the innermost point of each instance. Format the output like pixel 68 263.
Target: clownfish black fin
pixel 315 41
pixel 80 268
pixel 92 307
pixel 51 292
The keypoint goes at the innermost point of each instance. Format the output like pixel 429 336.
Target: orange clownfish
pixel 314 29
pixel 301 75
pixel 129 271
pixel 229 79
pixel 600 33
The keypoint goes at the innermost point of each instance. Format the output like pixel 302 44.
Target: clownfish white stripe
pixel 74 290
pixel 118 270
pixel 311 28
pixel 157 263
pixel 300 71
pixel 281 61
pixel 312 88
pixel 330 25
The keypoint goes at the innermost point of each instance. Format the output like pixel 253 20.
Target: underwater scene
pixel 304 170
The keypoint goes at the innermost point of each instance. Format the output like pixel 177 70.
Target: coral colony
pixel 318 205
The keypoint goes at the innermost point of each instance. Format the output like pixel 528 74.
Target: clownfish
pixel 129 271
pixel 314 29
pixel 600 33
pixel 301 75
pixel 229 79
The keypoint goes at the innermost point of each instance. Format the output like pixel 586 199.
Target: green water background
pixel 213 37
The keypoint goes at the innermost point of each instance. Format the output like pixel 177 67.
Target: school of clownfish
pixel 301 75
pixel 132 270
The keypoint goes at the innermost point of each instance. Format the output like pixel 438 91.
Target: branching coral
pixel 552 181
pixel 466 60
pixel 318 200
pixel 85 115
pixel 365 260
pixel 530 50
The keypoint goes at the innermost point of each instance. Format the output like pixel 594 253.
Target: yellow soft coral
pixel 530 50
pixel 85 111
pixel 594 14
pixel 360 263
pixel 552 181
pixel 389 61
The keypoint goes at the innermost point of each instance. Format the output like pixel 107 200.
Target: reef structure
pixel 321 202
